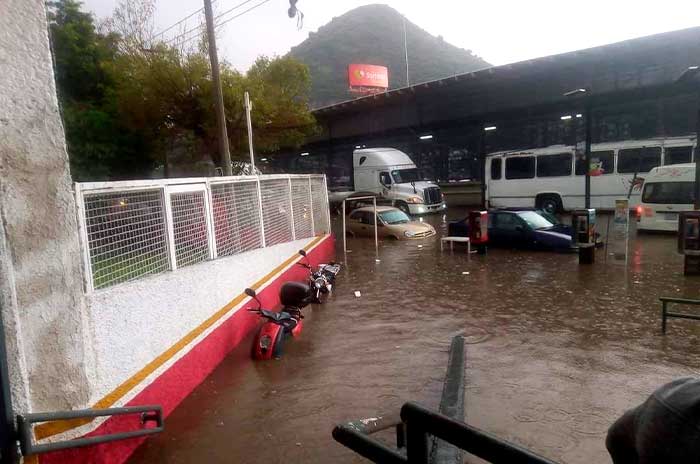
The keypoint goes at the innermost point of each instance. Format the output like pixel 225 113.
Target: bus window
pixel 631 160
pixel 554 165
pixel 678 155
pixel 520 167
pixel 496 168
pixel 602 162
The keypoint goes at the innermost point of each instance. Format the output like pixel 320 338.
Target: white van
pixel 667 190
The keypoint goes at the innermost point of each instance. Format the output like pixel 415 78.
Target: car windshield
pixel 394 217
pixel 534 220
pixel 406 175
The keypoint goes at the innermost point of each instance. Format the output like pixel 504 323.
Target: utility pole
pixel 218 94
pixel 248 107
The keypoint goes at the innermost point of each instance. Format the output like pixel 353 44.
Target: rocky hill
pixel 373 34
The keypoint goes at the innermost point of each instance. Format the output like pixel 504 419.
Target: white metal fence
pixel 136 228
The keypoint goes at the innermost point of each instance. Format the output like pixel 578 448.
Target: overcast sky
pixel 500 31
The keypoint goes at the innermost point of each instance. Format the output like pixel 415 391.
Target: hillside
pixel 373 34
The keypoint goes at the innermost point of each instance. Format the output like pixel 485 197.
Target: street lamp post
pixel 483 129
pixel 691 77
pixel 587 121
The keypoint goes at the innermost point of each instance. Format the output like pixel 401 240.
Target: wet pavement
pixel 555 352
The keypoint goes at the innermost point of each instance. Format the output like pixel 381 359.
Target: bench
pixel 665 314
pixel 452 240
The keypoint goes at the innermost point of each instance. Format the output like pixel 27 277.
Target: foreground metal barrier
pixel 420 424
pixel 26 421
pixel 665 314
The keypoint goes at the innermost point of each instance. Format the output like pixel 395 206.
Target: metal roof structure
pixel 645 67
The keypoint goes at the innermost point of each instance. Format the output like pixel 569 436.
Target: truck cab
pixel 392 175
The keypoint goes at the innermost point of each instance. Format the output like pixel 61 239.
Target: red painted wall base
pixel 173 385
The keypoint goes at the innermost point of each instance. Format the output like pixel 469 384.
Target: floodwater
pixel 555 353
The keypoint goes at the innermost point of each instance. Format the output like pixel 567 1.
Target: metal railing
pixel 665 313
pixel 133 229
pixel 25 423
pixel 420 423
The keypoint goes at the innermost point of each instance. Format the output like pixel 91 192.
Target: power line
pixel 231 9
pixel 158 34
pixel 179 22
pixel 196 28
pixel 243 12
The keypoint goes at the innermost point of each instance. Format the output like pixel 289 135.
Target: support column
pixel 47 328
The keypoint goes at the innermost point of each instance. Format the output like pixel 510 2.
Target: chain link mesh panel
pixel 126 236
pixel 277 219
pixel 127 231
pixel 236 217
pixel 320 206
pixel 189 228
pixel 301 206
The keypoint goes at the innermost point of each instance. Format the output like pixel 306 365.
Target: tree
pixel 130 104
pixel 100 147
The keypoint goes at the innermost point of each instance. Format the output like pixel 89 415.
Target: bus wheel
pixel 549 203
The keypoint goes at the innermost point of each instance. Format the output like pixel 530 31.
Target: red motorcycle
pixel 270 340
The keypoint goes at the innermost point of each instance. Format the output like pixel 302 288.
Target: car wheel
pixel 403 207
pixel 549 203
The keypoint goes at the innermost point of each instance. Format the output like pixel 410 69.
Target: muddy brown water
pixel 555 352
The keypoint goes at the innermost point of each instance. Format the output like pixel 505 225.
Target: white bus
pixel 667 190
pixel 552 178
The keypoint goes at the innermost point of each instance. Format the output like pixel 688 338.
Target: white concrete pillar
pixel 41 278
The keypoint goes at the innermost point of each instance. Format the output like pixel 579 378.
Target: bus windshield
pixel 672 193
pixel 406 175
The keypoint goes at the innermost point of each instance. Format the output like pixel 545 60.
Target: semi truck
pixel 391 176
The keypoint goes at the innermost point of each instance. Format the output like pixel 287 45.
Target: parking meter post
pixel 478 230
pixel 583 235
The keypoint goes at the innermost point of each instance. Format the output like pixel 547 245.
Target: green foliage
pixel 100 146
pixel 130 106
pixel 373 34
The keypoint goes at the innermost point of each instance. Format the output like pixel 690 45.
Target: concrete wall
pixel 137 321
pixel 144 342
pixel 43 306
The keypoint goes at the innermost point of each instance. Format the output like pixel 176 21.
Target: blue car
pixel 527 229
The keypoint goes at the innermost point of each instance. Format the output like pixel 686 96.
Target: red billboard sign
pixel 368 75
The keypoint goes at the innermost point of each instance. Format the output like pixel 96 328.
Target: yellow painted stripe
pixel 48 429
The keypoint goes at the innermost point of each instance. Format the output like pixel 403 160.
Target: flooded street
pixel 555 352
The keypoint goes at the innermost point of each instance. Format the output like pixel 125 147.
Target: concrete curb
pixel 451 402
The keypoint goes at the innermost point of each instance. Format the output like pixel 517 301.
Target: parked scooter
pixel 321 281
pixel 269 342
